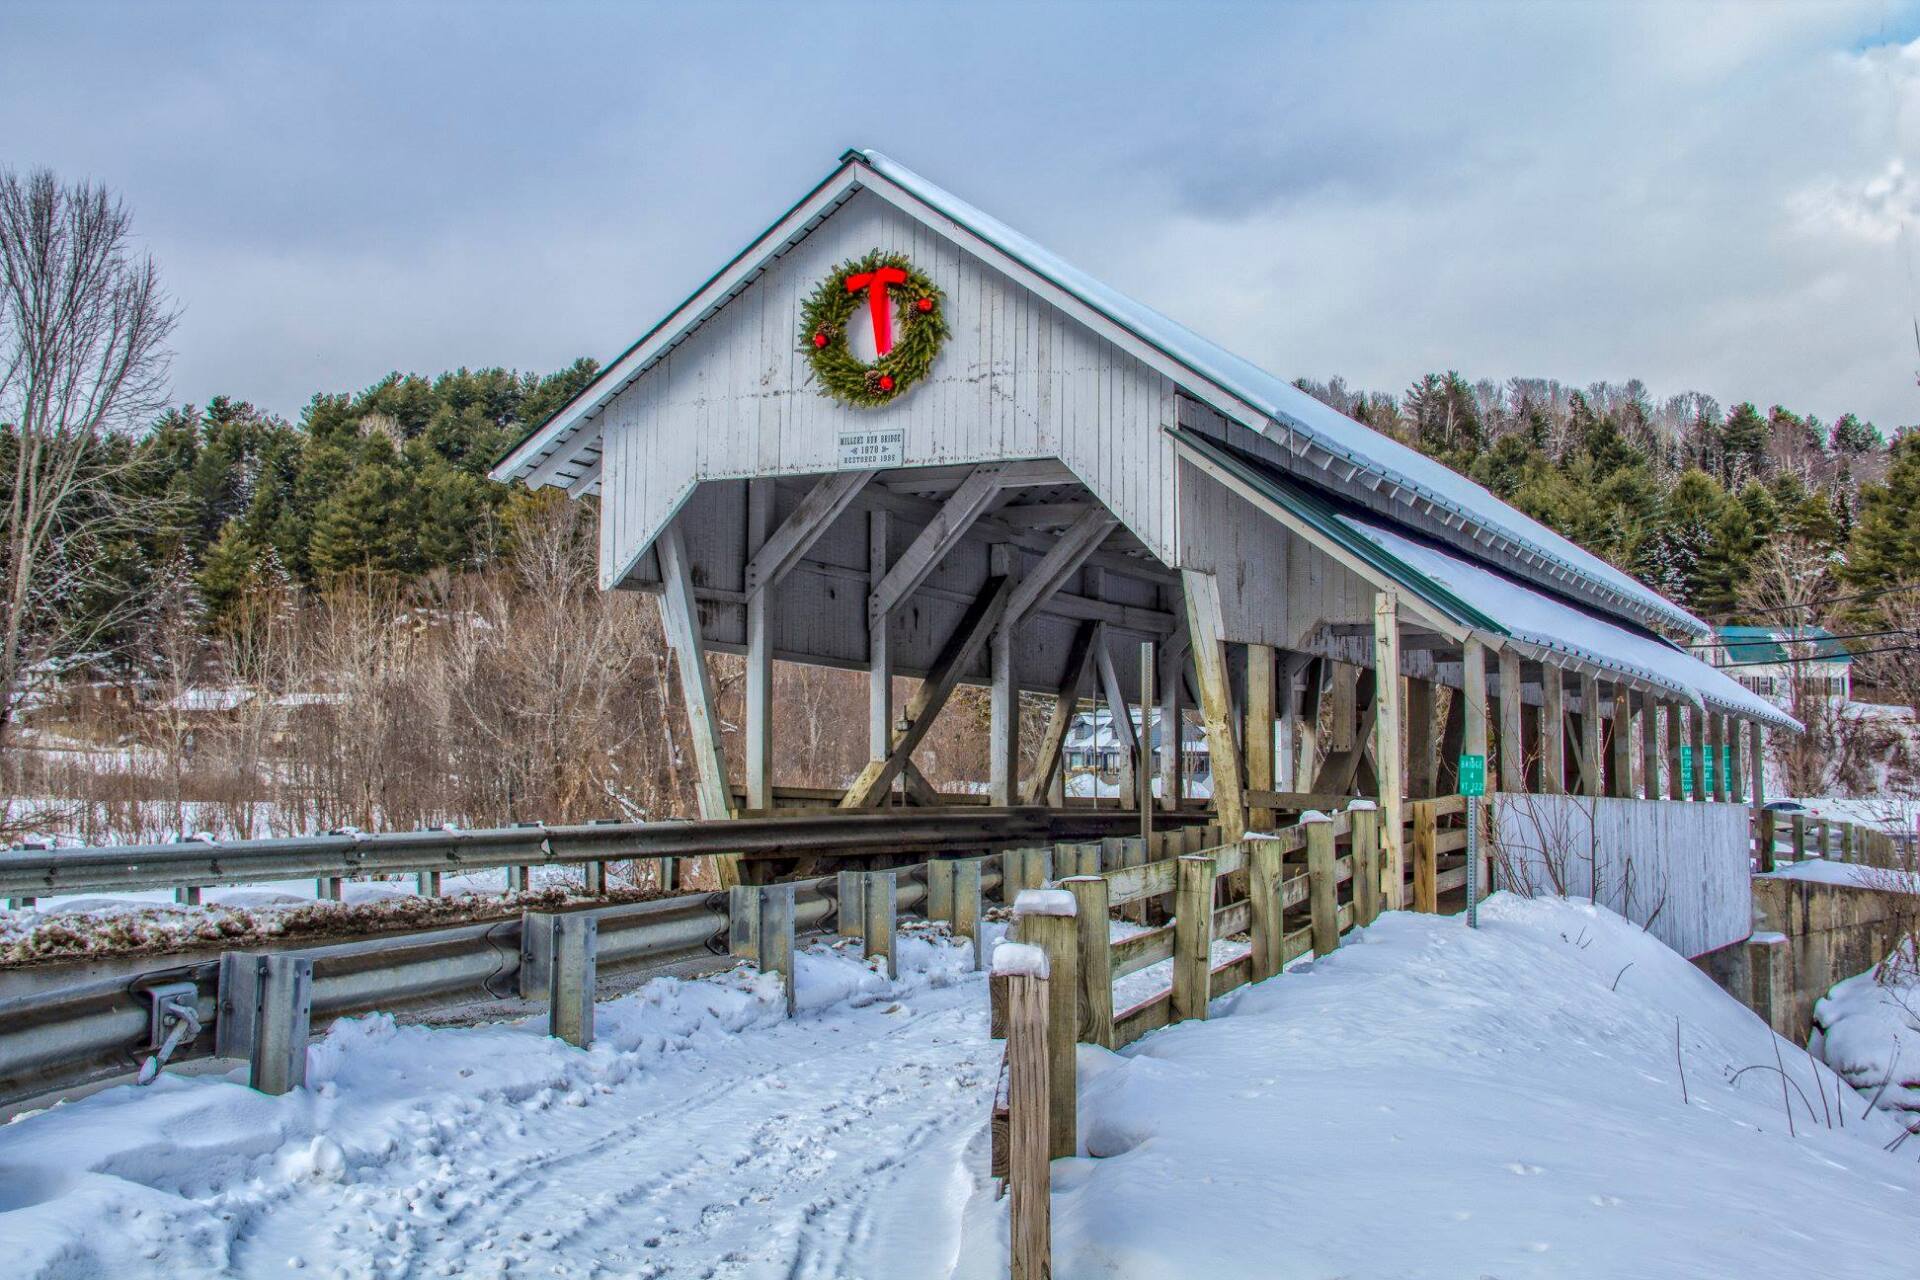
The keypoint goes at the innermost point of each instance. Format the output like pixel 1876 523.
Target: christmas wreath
pixel 876 280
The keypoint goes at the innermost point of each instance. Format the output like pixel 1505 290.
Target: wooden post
pixel 953 897
pixel 1426 869
pixel 758 737
pixel 1172 685
pixel 1649 747
pixel 1736 771
pixel 680 620
pixel 1799 837
pixel 1259 730
pixel 1028 996
pixel 1553 731
pixel 1365 820
pixel 1622 744
pixel 1757 761
pixel 1090 899
pixel 1513 747
pixel 1192 936
pixel 1716 788
pixel 571 973
pixel 1676 777
pixel 1344 688
pixel 1697 737
pixel 1023 869
pixel 1322 903
pixel 1206 626
pixel 1593 767
pixel 1143 770
pixel 879 641
pixel 1046 919
pixel 1765 838
pixel 1307 726
pixel 1268 929
pixel 1003 730
pixel 1422 751
pixel 1388 727
pixel 760 930
pixel 1473 693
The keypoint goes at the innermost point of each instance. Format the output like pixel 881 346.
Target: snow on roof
pixel 1541 620
pixel 1289 406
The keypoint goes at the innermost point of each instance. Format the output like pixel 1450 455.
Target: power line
pixel 1777 662
pixel 1874 594
pixel 1740 643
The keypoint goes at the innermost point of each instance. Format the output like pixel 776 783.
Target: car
pixel 1785 806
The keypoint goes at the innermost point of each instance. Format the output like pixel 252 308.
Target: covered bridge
pixel 895 435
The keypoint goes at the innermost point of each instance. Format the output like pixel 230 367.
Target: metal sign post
pixel 1473 785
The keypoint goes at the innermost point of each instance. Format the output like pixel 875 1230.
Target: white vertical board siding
pixel 1275 587
pixel 1017 379
pixel 1679 868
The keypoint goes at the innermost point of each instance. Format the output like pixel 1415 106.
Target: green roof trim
pixel 1317 513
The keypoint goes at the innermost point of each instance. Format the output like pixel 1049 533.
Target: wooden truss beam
pixel 1125 739
pixel 949 525
pixel 1061 562
pixel 802 528
pixel 1387 754
pixel 1089 639
pixel 960 651
pixel 680 619
pixel 1207 625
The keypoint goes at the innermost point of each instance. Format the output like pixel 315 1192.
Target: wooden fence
pixel 1802 836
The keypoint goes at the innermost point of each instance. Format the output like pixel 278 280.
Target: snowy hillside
pixel 1428 1102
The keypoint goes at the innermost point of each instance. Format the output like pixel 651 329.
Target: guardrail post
pixel 953 897
pixel 595 874
pixel 880 905
pixel 1090 898
pixel 536 953
pixel 760 929
pixel 21 904
pixel 283 1014
pixel 1263 900
pixel 1045 918
pixel 1321 882
pixel 1023 869
pixel 1024 978
pixel 572 970
pixel 427 883
pixel 1364 823
pixel 516 879
pixel 850 915
pixel 1192 936
pixel 1765 839
pixel 1081 859
pixel 1799 837
pixel 328 888
pixel 187 895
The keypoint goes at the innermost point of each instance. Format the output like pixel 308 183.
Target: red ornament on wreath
pixel 908 330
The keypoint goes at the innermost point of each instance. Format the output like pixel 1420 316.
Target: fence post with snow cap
pixel 1322 886
pixel 571 974
pixel 1192 935
pixel 1365 818
pixel 1047 918
pixel 1091 896
pixel 760 930
pixel 1022 971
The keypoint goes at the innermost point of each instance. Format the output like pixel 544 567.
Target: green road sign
pixel 1706 763
pixel 1686 770
pixel 1473 775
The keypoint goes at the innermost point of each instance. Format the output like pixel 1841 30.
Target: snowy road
pixel 702 1136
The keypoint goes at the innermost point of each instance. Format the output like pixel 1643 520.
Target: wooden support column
pixel 1736 774
pixel 1452 734
pixel 1513 746
pixel 1192 936
pixel 1592 767
pixel 1622 744
pixel 1260 730
pixel 1649 747
pixel 1206 625
pixel 1003 730
pixel 1423 756
pixel 1757 761
pixel 680 620
pixel 1473 693
pixel 759 719
pixel 961 648
pixel 1120 717
pixel 1697 739
pixel 1716 757
pixel 1553 731
pixel 1388 722
pixel 1344 686
pixel 879 641
pixel 1676 779
pixel 1172 682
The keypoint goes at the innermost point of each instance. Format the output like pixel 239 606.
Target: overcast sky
pixel 1721 198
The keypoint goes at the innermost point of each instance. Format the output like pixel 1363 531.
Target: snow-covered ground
pixel 1429 1101
pixel 1868 1029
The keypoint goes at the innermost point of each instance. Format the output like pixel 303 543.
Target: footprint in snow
pixel 1524 1170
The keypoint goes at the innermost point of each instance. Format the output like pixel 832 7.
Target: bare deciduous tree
pixel 83 327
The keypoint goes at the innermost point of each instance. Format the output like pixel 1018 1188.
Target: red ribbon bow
pixel 875 283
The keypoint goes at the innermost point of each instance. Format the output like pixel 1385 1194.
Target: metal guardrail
pixel 28 873
pixel 99 1029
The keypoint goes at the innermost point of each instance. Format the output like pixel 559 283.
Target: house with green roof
pixel 1768 660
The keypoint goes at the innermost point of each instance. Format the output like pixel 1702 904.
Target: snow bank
pixel 1868 1030
pixel 702 1123
pixel 1436 1101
